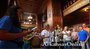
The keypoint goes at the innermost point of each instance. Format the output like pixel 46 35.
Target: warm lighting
pixel 30 20
pixel 86 8
pixel 30 17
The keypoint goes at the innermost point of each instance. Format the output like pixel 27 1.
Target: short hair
pixel 13 15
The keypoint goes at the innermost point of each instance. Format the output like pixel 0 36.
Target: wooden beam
pixel 78 4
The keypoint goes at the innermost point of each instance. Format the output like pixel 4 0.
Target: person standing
pixel 10 32
pixel 66 37
pixel 88 30
pixel 51 35
pixel 74 35
pixel 45 36
pixel 83 37
pixel 57 30
pixel 26 44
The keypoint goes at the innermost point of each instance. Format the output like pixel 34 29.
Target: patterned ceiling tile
pixel 30 5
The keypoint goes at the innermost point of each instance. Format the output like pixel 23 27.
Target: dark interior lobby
pixel 38 13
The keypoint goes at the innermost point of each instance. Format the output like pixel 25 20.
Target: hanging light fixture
pixel 29 20
pixel 30 17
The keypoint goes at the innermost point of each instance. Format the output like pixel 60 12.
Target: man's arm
pixel 6 35
pixel 87 39
pixel 43 36
pixel 87 36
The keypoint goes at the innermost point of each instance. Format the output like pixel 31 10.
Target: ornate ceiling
pixel 32 6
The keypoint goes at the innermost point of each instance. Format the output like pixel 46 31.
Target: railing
pixel 75 6
pixel 69 3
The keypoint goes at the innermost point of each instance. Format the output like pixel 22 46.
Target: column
pixel 54 13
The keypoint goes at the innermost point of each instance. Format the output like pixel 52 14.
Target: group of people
pixel 12 36
pixel 80 34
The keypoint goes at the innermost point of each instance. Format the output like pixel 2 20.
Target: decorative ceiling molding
pixel 32 6
pixel 78 4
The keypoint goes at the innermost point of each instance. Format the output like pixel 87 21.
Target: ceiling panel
pixel 32 6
